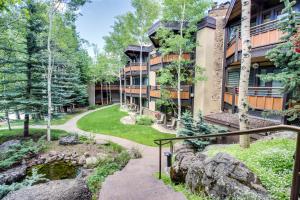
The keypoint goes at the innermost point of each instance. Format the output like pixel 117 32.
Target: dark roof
pixel 135 49
pixel 208 21
pixel 170 25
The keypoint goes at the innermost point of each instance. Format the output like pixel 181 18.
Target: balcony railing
pixel 261 98
pixel 135 67
pixel 155 91
pixel 158 58
pixel 261 35
pixel 104 87
pixel 135 89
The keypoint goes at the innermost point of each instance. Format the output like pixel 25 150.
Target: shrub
pixel 93 107
pixel 135 153
pixel 16 153
pixel 144 120
pixel 29 181
pixel 198 127
pixel 105 168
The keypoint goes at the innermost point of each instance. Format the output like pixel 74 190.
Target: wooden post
pixel 159 160
pixel 233 100
pixel 296 184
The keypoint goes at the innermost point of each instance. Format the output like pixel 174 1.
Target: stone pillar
pixel 91 94
pixel 209 56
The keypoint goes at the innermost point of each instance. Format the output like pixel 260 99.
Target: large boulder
pixel 69 189
pixel 8 144
pixel 69 140
pixel 223 177
pixel 13 175
pixel 184 157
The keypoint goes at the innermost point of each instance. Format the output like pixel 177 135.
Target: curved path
pixel 136 181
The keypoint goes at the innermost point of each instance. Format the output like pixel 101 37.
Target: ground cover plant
pixel 107 167
pixel 144 120
pixel 271 160
pixel 107 121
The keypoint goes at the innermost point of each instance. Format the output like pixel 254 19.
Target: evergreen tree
pixel 287 59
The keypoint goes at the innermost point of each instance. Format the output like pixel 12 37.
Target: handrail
pixel 296 172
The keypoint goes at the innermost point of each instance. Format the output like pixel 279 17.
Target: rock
pixel 13 175
pixel 81 160
pixel 91 162
pixel 69 140
pixel 68 189
pixel 86 154
pixel 184 157
pixel 223 176
pixel 52 153
pixel 8 144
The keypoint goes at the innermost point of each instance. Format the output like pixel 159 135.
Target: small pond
pixel 56 170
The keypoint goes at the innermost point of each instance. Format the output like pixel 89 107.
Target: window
pixel 278 13
pixel 266 17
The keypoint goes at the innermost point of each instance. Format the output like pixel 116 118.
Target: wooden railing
pixel 112 87
pixel 155 91
pixel 261 35
pixel 295 189
pixel 135 67
pixel 157 59
pixel 135 89
pixel 261 98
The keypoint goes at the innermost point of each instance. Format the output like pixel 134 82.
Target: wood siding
pixel 168 58
pixel 134 68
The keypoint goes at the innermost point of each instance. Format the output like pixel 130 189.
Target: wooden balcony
pixel 135 89
pixel 134 67
pixel 105 87
pixel 260 98
pixel 157 59
pixel 155 91
pixel 261 35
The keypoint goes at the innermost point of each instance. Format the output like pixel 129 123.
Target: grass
pixel 58 120
pixel 107 121
pixel 182 188
pixel 270 160
pixel 35 134
pixel 107 167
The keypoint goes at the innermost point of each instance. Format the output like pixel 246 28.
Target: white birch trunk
pixel 49 75
pixel 120 78
pixel 245 72
pixel 179 67
pixel 141 75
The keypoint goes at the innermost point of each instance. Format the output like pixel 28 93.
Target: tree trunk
pixel 107 93
pixel 101 93
pixel 179 68
pixel 8 121
pixel 49 75
pixel 18 114
pixel 141 75
pixel 110 98
pixel 120 80
pixel 26 125
pixel 245 72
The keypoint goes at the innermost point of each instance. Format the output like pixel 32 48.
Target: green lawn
pixel 59 120
pixel 107 121
pixel 35 134
pixel 271 160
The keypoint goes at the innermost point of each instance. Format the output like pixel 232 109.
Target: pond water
pixel 56 170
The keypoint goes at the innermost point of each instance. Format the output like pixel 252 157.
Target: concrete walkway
pixel 136 181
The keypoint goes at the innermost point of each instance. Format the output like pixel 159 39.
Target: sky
pixel 98 17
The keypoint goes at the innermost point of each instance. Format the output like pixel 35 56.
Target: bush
pixel 16 153
pixel 105 168
pixel 29 181
pixel 144 120
pixel 93 107
pixel 198 127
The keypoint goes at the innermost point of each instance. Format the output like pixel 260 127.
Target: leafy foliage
pixel 16 153
pixel 105 168
pixel 144 120
pixel 29 181
pixel 197 127
pixel 287 59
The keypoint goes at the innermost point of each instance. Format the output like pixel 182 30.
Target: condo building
pixel 219 54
